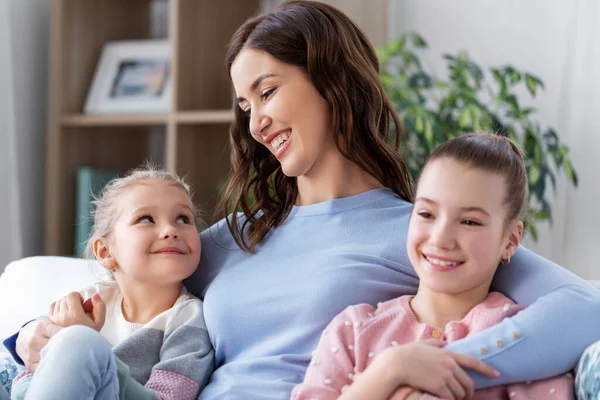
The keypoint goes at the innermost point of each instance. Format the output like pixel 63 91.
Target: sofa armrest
pixel 29 285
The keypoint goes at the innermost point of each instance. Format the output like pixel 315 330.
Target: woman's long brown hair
pixel 342 64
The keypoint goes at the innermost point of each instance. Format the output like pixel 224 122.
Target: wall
pixel 553 39
pixel 8 194
pixel 23 70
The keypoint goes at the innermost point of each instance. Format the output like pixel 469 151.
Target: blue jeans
pixel 587 377
pixel 78 364
pixel 9 369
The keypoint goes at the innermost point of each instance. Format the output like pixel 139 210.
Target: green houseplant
pixel 471 99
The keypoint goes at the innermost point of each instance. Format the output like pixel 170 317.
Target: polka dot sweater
pixel 359 334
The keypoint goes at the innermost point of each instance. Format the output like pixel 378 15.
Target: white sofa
pixel 29 285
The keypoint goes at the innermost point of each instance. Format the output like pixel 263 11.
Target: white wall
pixel 23 71
pixel 558 41
pixel 9 224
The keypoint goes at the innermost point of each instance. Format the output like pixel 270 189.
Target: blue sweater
pixel 266 311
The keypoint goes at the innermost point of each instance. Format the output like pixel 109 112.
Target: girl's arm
pixel 545 339
pixel 422 365
pixel 186 360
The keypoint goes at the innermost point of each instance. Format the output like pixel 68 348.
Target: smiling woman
pixel 286 114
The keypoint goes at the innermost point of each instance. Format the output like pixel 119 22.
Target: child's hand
pixel 406 393
pixel 428 368
pixel 70 310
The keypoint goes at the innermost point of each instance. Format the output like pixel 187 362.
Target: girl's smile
pixel 442 263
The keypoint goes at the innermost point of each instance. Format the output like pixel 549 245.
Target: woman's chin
pixel 291 169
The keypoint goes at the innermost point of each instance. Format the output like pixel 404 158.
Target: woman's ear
pixel 103 254
pixel 515 235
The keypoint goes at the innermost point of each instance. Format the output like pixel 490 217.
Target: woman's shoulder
pixel 219 235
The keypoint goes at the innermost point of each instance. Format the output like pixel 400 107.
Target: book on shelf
pixel 90 182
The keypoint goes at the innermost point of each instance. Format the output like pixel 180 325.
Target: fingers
pixel 445 394
pixel 63 307
pixel 433 342
pixel 402 393
pixel 474 364
pixel 51 329
pixel 51 310
pixel 74 301
pixel 465 382
pixel 88 306
pixel 30 341
pixel 99 311
pixel 455 387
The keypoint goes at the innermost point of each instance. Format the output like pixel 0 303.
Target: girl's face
pixel 154 238
pixel 287 114
pixel 458 234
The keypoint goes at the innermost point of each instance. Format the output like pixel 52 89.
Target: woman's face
pixel 287 114
pixel 457 234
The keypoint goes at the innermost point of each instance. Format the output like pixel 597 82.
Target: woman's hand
pixel 428 368
pixel 32 339
pixel 70 310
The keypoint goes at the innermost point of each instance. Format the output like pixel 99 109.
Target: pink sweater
pixel 357 335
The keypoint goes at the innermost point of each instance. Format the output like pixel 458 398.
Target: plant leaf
pixel 465 117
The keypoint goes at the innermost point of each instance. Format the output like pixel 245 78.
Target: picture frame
pixel 131 77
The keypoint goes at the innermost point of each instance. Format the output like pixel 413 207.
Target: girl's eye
pixel 425 215
pixel 145 218
pixel 184 219
pixel 470 222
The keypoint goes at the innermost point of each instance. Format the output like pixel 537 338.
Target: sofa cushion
pixel 29 285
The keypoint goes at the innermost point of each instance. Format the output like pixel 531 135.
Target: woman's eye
pixel 145 218
pixel 425 214
pixel 267 93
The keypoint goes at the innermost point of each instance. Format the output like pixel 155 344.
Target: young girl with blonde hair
pixel 141 335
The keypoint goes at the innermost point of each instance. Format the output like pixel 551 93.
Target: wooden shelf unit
pixel 192 136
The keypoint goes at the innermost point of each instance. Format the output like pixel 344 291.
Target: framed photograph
pixel 131 77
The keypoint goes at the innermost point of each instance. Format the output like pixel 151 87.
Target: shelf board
pixel 204 117
pixel 114 120
pixel 181 117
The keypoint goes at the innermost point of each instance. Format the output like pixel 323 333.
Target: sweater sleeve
pixel 332 366
pixel 186 356
pixel 129 388
pixel 545 339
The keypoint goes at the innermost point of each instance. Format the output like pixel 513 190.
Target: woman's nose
pixel 259 124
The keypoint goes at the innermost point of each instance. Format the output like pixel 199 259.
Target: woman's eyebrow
pixel 255 84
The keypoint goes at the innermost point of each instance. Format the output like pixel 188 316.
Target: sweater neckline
pixel 335 206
